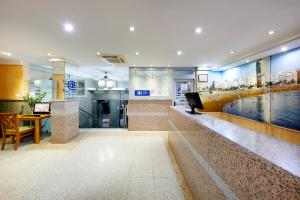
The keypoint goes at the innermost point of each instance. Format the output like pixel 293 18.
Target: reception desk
pixel 222 160
pixel 148 115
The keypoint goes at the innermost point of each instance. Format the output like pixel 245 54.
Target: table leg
pixel 37 124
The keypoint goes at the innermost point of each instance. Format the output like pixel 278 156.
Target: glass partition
pixel 37 87
pixel 71 81
pixel 65 76
pixel 105 109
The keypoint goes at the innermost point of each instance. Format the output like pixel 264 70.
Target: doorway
pixel 112 113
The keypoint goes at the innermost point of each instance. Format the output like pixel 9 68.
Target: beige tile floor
pixel 93 166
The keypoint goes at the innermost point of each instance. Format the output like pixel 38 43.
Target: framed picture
pixel 202 77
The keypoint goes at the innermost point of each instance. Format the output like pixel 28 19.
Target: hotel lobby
pixel 149 100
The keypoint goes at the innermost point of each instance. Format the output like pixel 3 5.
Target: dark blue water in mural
pixel 284 109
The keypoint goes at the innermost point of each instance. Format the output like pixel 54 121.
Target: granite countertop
pixel 281 153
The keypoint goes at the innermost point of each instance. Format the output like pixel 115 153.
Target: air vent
pixel 117 59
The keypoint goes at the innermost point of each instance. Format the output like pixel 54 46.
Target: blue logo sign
pixel 71 85
pixel 141 92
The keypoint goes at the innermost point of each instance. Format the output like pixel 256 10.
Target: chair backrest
pixel 8 121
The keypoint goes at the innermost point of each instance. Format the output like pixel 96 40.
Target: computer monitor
pixel 42 108
pixel 194 101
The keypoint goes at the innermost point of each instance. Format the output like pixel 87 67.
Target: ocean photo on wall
pixel 266 90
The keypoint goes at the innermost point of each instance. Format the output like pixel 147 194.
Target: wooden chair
pixel 10 128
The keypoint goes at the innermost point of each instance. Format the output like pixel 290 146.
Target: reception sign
pixel 142 93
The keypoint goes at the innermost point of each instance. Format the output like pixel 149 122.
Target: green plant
pixel 30 100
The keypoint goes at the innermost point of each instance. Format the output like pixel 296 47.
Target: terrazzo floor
pixel 92 166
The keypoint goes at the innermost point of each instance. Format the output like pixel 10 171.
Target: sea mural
pixel 266 90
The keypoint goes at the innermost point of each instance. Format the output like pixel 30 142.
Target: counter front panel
pixel 148 115
pixel 221 160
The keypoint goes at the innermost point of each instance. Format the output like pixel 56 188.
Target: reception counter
pixel 148 115
pixel 222 160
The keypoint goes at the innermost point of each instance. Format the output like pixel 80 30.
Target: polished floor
pixel 93 166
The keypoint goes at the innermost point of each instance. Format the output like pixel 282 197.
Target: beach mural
pixel 266 90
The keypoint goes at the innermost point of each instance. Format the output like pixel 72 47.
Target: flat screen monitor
pixel 194 101
pixel 42 108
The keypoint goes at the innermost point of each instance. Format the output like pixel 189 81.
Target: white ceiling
pixel 97 72
pixel 30 29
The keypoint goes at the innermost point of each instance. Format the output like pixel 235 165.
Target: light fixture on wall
pixel 106 83
pixel 283 49
pixel 37 83
pixel 6 53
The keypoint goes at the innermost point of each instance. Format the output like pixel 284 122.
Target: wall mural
pixel 266 90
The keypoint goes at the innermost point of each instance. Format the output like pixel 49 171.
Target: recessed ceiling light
pixel 98 53
pixel 6 53
pixel 137 53
pixel 283 49
pixel 151 65
pixel 134 65
pixel 169 65
pixel 131 28
pixel 179 53
pixel 232 52
pixel 68 27
pixel 247 61
pixel 271 32
pixel 198 30
pixel 49 54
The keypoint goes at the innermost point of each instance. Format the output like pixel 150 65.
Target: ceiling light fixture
pixel 134 65
pixel 98 53
pixel 232 52
pixel 198 30
pixel 271 32
pixel 68 27
pixel 49 54
pixel 283 49
pixel 6 53
pixel 106 83
pixel 179 53
pixel 247 61
pixel 137 53
pixel 131 28
pixel 169 65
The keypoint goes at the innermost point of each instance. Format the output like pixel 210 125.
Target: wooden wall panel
pixel 286 134
pixel 60 90
pixel 12 82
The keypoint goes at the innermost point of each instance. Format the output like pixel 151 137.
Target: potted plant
pixel 31 100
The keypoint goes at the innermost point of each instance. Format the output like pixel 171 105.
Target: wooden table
pixel 37 124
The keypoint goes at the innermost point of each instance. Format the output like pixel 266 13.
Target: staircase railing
pixel 95 119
